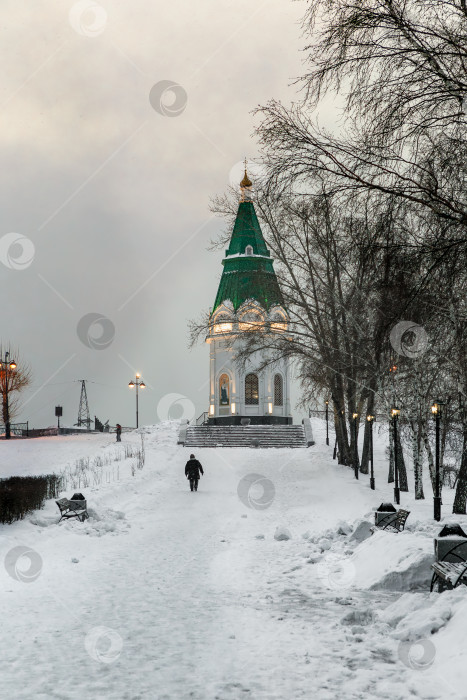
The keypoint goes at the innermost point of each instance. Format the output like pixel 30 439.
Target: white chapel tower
pixel 248 296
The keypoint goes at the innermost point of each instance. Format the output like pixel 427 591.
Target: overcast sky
pixel 106 181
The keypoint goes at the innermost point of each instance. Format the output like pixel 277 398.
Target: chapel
pixel 248 298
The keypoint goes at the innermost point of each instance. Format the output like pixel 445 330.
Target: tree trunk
pixel 460 498
pixel 403 483
pixel 364 464
pixel 431 464
pixel 417 458
pixel 344 454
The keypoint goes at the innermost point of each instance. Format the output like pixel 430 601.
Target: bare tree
pixel 401 70
pixel 12 382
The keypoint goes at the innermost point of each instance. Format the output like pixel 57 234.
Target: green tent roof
pixel 248 276
pixel 247 231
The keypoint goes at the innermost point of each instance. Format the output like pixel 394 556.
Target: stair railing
pixel 203 418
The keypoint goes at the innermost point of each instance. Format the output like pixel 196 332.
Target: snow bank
pixel 393 562
pixel 354 557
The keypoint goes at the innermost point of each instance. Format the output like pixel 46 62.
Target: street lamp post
pixel 136 384
pixel 436 409
pixel 7 368
pixel 370 420
pixel 355 418
pixel 327 422
pixel 395 413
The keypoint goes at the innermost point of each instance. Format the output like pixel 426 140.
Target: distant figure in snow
pixel 192 470
pixel 119 432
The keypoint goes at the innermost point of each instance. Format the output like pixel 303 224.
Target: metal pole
pixel 137 384
pixel 372 473
pixel 437 496
pixel 7 408
pixel 327 423
pixel 356 447
pixel 396 466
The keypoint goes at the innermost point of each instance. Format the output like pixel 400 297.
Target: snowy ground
pixel 167 594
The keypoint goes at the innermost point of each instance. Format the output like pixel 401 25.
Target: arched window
pixel 249 250
pixel 278 390
pixel 224 391
pixel 251 390
pixel 250 321
pixel 222 324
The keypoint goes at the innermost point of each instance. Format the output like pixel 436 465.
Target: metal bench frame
pixel 395 521
pixel 72 509
pixel 449 574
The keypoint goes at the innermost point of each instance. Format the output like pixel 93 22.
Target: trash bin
pixel 384 512
pixel 452 535
pixel 79 498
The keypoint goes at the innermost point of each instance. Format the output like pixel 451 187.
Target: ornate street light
pixel 437 411
pixel 371 420
pixel 7 369
pixel 395 413
pixel 327 422
pixel 137 384
pixel 355 418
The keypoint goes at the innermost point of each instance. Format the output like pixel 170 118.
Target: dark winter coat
pixel 193 468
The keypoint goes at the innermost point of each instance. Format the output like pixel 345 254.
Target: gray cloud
pixel 108 190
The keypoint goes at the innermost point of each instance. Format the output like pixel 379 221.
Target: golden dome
pixel 246 182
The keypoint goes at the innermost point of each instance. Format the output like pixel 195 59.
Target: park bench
pixel 72 509
pixel 450 574
pixel 393 523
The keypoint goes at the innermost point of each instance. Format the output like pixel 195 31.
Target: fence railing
pixel 23 430
pixel 19 429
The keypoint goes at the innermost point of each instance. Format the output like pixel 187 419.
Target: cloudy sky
pixel 106 179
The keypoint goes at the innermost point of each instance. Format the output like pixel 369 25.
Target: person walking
pixel 193 469
pixel 119 432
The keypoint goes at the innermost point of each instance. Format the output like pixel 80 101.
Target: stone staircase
pixel 245 436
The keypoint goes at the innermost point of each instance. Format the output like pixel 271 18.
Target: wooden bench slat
pixel 453 573
pixel 449 566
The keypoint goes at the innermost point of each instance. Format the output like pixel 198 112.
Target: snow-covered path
pixel 175 594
